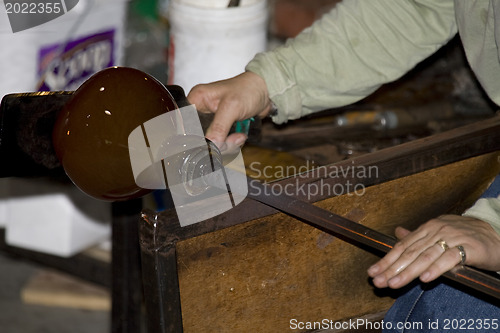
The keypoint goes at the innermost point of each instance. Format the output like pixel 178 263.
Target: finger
pixel 411 244
pixel 381 280
pixel 416 268
pixel 401 232
pixel 398 259
pixel 404 245
pixel 391 256
pixel 200 96
pixel 220 126
pixel 447 261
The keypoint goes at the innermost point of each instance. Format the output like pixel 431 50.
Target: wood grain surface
pixel 257 276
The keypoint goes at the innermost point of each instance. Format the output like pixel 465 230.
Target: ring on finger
pixel 443 244
pixel 463 256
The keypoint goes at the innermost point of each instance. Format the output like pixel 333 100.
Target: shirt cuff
pixel 487 210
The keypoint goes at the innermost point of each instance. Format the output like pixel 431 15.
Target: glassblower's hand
pixel 433 249
pixel 239 98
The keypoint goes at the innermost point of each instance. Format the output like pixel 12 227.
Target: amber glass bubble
pixel 91 132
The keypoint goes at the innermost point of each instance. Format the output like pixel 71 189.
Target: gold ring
pixel 463 257
pixel 443 244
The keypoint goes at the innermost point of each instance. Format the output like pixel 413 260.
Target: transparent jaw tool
pixel 170 151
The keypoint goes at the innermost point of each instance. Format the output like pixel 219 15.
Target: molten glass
pixel 90 136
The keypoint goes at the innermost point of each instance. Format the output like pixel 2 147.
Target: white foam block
pixel 54 218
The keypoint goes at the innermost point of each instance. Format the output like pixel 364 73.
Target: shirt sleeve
pixel 487 208
pixel 351 51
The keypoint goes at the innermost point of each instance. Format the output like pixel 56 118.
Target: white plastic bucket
pixel 98 24
pixel 210 44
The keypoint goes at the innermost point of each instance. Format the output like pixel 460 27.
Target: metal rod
pixel 351 230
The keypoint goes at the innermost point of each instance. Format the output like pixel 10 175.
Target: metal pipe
pixel 359 233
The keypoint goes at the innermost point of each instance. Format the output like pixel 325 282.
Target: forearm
pixel 351 51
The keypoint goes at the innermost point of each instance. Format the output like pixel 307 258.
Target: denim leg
pixel 493 190
pixel 402 309
pixel 442 308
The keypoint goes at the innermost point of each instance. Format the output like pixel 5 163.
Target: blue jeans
pixel 494 190
pixel 440 307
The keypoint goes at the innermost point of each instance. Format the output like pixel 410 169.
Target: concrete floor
pixel 17 317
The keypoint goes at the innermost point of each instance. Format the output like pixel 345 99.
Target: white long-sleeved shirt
pixel 362 44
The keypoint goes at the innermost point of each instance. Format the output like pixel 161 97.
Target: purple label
pixel 65 66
